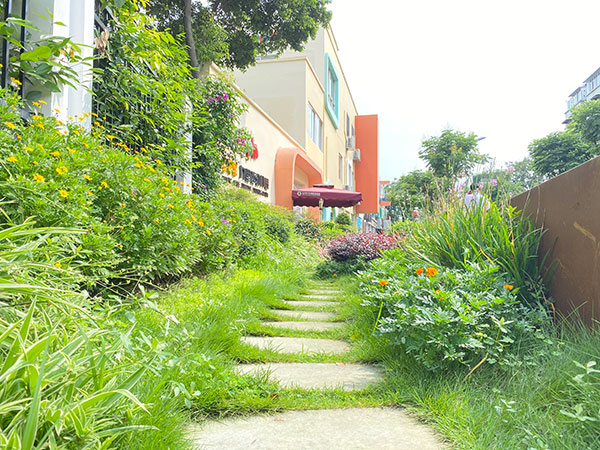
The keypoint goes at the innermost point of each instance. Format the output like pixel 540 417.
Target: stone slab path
pixel 335 429
pixel 297 345
pixel 317 375
pixel 308 315
pixel 305 326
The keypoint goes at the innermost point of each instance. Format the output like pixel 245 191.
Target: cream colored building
pixel 307 94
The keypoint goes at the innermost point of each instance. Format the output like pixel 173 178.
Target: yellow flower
pixel 63 193
pixel 208 232
pixel 71 118
pixel 15 81
pixel 146 179
pixel 76 132
pixel 165 180
pixel 40 125
pixel 10 125
pixel 335 275
pixel 35 104
pixel 42 102
pixel 87 177
pixel 170 206
pixel 161 195
pixel 383 282
pixel 55 154
pixel 59 265
pixel 156 220
pixel 122 205
pixel 187 222
pixel 177 188
pixel 37 116
pixel 159 162
pixel 37 177
pixel 510 287
pixel 71 150
pixel 201 222
pixel 104 184
pixel 61 170
pixel 29 149
pixel 90 193
pixel 121 246
pixel 35 163
pixel 12 159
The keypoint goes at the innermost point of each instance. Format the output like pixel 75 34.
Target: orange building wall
pixel 366 172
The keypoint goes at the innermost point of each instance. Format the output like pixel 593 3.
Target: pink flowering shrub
pixel 355 245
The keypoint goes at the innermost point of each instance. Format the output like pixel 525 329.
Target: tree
pixel 409 191
pixel 523 175
pixel 233 33
pixel 558 152
pixel 453 154
pixel 585 121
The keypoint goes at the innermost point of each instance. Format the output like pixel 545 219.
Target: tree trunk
pixel 189 38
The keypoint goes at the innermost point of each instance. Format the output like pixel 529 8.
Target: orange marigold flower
pixel 431 271
pixel 383 282
pixel 438 290
pixel 335 274
pixel 510 287
pixel 419 271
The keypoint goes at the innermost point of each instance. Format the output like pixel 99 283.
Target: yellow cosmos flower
pixel 208 232
pixel 35 163
pixel 156 220
pixel 36 104
pixel 55 154
pixel 165 180
pixel 15 81
pixel 170 206
pixel 42 102
pixel 104 184
pixel 71 150
pixel 187 222
pixel 12 159
pixel 59 265
pixel 161 195
pixel 37 177
pixel 87 177
pixel 10 125
pixel 29 149
pixel 146 179
pixel 201 222
pixel 37 116
pixel 63 193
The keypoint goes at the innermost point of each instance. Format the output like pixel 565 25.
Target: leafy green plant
pixel 449 317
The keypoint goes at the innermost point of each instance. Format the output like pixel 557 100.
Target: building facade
pixel 307 94
pixel 589 90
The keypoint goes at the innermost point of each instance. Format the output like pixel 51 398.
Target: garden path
pixel 347 429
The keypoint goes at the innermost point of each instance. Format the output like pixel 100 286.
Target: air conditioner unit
pixel 356 156
pixel 350 143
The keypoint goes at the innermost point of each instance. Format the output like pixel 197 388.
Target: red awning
pixel 326 192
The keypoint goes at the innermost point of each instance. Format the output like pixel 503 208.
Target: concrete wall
pixel 279 87
pixel 567 206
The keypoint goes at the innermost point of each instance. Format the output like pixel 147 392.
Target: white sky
pixel 503 70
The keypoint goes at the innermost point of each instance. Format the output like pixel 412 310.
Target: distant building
pixel 307 95
pixel 589 90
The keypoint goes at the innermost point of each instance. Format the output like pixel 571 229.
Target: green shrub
pixel 138 223
pixel 308 228
pixel 450 317
pixel 343 219
pixel 329 267
pixel 278 228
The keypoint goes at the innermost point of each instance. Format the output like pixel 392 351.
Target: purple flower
pixel 225 96
pixel 226 222
pixel 494 182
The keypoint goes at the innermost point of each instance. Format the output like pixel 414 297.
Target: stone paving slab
pixel 309 315
pixel 334 429
pixel 317 375
pixel 306 326
pixel 297 345
pixel 322 291
pixel 317 297
pixel 310 303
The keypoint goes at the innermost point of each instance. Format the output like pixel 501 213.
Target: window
pixel 332 91
pixel 315 127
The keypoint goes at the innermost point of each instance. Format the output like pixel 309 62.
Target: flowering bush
pixel 448 317
pixel 354 245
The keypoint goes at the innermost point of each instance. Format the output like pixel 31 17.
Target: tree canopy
pixel 585 121
pixel 452 154
pixel 408 191
pixel 558 152
pixel 233 33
